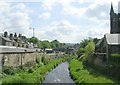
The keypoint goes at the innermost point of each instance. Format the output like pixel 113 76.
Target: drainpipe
pixel 21 60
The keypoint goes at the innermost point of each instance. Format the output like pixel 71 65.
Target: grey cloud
pixel 97 11
pixel 15 19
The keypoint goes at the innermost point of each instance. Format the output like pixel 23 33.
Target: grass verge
pixel 81 75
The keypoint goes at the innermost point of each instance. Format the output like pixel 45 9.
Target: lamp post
pixel 33 31
pixel 33 34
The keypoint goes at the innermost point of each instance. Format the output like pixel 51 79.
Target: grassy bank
pixel 81 75
pixel 34 74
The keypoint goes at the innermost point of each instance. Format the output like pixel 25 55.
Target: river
pixel 59 75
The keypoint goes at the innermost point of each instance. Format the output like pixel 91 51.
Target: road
pixel 59 75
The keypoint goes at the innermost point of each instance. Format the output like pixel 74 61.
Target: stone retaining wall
pixel 18 59
pixel 14 56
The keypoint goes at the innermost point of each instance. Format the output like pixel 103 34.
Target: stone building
pixel 110 43
pixel 70 50
pixel 4 40
pixel 114 21
pixel 13 40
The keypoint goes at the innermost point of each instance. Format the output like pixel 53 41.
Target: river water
pixel 59 75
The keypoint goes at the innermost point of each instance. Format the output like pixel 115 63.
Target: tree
pixel 84 42
pixel 82 45
pixel 95 40
pixel 33 40
pixel 46 44
pixel 89 51
pixel 80 51
pixel 55 44
pixel 86 49
pixel 39 43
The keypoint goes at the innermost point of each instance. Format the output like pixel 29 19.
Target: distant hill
pixel 70 44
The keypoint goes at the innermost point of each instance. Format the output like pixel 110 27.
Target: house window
pixel 18 45
pixel 13 44
pixel 22 45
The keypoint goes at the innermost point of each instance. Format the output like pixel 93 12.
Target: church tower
pixel 114 21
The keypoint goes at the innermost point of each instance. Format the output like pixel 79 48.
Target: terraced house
pixel 14 40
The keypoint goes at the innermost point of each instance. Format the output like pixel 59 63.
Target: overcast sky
pixel 64 20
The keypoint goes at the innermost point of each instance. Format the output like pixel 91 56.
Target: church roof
pixel 111 9
pixel 113 39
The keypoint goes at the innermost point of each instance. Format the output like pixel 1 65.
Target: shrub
pixel 81 75
pixel 31 70
pixel 115 58
pixel 32 76
pixel 29 64
pixel 44 60
pixel 38 60
pixel 8 70
pixel 115 55
pixel 10 79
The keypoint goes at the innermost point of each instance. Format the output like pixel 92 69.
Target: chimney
pixel 15 35
pixel 20 36
pixel 11 36
pixel 5 34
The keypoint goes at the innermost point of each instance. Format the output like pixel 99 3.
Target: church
pixel 110 43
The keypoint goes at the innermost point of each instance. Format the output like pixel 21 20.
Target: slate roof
pixel 7 39
pixel 99 42
pixel 113 39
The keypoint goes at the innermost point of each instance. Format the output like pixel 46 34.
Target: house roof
pixel 113 39
pixel 99 42
pixel 6 38
pixel 1 34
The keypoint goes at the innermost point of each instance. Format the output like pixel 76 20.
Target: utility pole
pixel 33 32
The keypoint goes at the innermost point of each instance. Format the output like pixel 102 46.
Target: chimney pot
pixel 15 35
pixel 5 34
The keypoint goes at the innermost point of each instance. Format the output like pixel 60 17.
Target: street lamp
pixel 33 31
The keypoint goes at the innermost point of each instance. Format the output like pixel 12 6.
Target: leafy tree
pixel 46 44
pixel 80 51
pixel 39 43
pixel 24 38
pixel 84 42
pixel 33 40
pixel 95 40
pixel 89 51
pixel 55 44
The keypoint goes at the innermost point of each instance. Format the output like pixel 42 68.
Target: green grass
pixel 115 55
pixel 34 74
pixel 82 75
